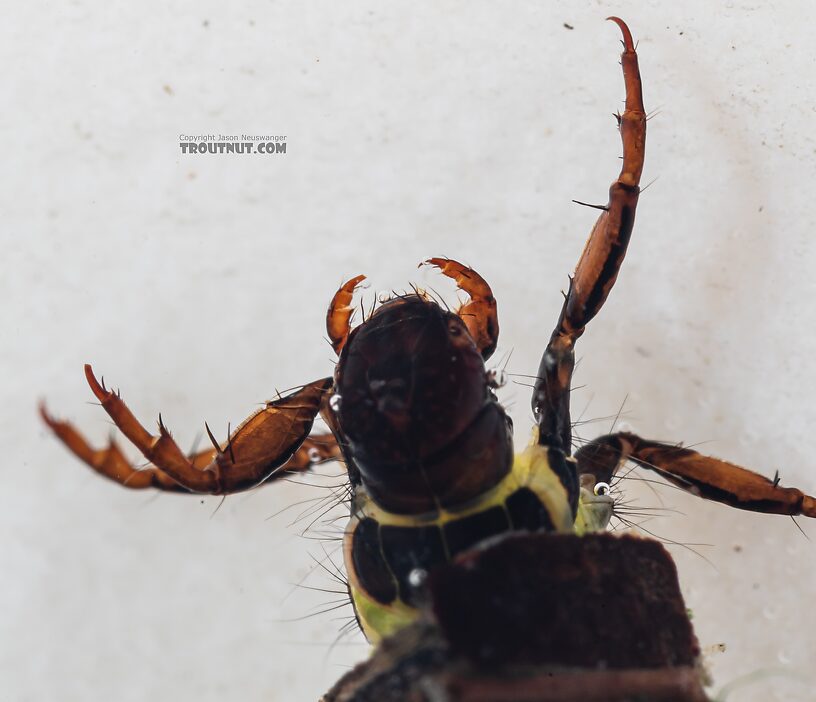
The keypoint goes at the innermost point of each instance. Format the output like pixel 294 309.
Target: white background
pixel 198 284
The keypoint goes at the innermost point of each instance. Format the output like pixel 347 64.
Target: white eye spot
pixel 417 577
pixel 602 489
pixel 314 455
pixel 335 401
pixel 496 378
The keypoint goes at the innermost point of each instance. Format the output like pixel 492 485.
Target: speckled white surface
pixel 199 285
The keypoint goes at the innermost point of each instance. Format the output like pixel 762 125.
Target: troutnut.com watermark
pixel 232 144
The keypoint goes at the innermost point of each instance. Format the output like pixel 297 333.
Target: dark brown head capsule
pixel 422 426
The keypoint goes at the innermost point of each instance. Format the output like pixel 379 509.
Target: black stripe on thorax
pixel 383 556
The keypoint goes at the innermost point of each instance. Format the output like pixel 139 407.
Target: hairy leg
pixel 112 463
pixel 598 266
pixel 711 478
pixel 271 440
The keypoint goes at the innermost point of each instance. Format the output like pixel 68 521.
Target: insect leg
pixel 708 477
pixel 338 318
pixel 112 463
pixel 598 266
pixel 264 443
pixel 479 313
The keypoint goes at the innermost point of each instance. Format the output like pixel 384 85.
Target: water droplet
pixel 496 378
pixel 769 612
pixel 335 401
pixel 314 455
pixel 417 577
pixel 783 657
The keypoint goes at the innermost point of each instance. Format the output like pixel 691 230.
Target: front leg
pixel 272 439
pixel 111 462
pixel 705 476
pixel 598 266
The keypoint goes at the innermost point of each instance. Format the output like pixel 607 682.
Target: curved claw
pixel 479 314
pixel 122 417
pixel 633 120
pixel 628 43
pixel 338 318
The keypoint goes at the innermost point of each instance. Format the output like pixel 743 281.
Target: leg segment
pixel 479 313
pixel 708 477
pixel 112 463
pixel 260 446
pixel 338 318
pixel 598 266
pixel 315 449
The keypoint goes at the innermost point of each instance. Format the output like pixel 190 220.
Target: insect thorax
pixel 388 555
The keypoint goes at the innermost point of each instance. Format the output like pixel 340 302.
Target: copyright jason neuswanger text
pixel 232 144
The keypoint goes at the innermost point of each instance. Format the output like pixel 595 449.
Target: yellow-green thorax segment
pixel 594 509
pixel 387 554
